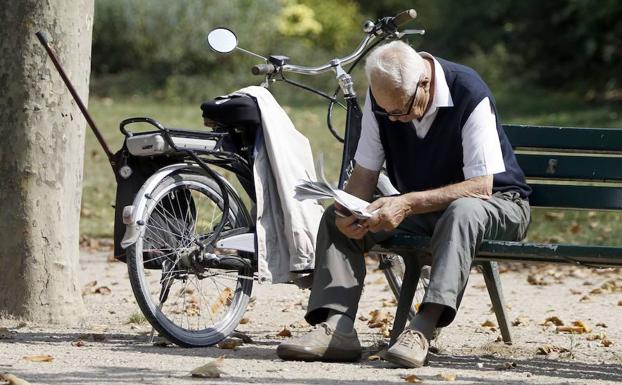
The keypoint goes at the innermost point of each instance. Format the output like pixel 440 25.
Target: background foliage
pixel 157 47
pixel 554 62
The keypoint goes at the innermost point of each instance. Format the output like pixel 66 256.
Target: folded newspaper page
pixel 321 189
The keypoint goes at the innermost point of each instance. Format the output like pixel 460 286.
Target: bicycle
pixel 188 223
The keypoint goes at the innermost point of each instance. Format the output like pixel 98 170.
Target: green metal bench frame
pixel 573 168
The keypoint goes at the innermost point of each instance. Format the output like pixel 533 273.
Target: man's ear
pixel 425 83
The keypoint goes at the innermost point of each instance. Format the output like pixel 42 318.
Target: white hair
pixel 397 62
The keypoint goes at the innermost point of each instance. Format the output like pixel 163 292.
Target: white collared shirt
pixel 480 141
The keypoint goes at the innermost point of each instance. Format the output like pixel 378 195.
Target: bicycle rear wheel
pixel 188 303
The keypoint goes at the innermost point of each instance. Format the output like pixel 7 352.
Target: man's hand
pixel 349 225
pixel 391 212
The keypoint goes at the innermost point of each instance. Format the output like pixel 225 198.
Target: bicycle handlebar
pixel 263 69
pixel 404 17
pixel 385 27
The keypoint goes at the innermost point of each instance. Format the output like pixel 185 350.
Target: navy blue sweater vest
pixel 418 164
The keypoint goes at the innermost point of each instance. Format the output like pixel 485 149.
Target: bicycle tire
pixel 173 224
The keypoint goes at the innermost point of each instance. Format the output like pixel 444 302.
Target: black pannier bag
pixel 161 230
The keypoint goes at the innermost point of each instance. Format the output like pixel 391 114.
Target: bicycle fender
pixel 136 210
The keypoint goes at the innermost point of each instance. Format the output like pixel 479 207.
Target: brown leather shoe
pixel 409 350
pixel 322 344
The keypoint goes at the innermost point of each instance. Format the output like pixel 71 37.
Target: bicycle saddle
pixel 232 110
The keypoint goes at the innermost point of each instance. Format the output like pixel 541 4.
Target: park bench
pixel 568 168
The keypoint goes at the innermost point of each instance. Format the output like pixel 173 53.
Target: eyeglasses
pixel 379 111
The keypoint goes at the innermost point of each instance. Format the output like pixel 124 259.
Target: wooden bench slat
pixel 600 139
pixel 573 196
pixel 518 251
pixel 571 167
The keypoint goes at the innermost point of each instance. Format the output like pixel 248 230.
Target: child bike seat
pixel 233 110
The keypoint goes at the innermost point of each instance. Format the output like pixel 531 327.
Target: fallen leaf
pixel 548 349
pixel 245 338
pixel 389 303
pixel 244 321
pixel 602 324
pixel 606 342
pixel 379 318
pixel 104 290
pixel 230 343
pixel 520 320
pixel 537 280
pixel 5 334
pixel 611 286
pixel 209 370
pixel 89 288
pixel 225 298
pixel 578 327
pixel 446 377
pixel 39 358
pixel 374 357
pixel 284 333
pixel 13 380
pixel 598 290
pixel 620 303
pixel 363 318
pixel 597 336
pixel 489 324
pixel 553 320
pixel 412 379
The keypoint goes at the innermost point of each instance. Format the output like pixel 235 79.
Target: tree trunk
pixel 41 154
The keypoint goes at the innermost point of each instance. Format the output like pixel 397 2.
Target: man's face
pixel 398 104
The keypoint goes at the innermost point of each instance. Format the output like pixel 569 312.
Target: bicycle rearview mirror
pixel 222 40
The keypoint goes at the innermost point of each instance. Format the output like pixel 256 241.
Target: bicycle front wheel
pixel 188 303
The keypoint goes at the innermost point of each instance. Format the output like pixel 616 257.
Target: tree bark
pixel 41 156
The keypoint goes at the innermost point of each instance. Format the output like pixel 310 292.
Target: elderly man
pixel 434 123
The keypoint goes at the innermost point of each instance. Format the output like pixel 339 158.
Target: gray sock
pixel 427 318
pixel 340 322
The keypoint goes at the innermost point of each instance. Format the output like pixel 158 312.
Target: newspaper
pixel 308 189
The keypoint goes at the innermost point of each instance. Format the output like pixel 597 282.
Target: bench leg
pixel 412 271
pixel 493 284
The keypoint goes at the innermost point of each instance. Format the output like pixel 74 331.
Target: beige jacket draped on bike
pixel 286 228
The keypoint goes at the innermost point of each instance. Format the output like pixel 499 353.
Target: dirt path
pixel 116 352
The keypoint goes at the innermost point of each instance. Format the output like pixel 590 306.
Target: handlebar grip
pixel 263 69
pixel 404 17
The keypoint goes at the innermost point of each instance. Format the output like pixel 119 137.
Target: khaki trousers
pixel 455 232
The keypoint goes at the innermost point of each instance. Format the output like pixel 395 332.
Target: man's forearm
pixel 362 183
pixel 438 199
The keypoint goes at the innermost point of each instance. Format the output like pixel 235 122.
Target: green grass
pixel 515 107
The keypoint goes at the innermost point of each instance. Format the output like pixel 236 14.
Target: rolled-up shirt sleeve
pixel 369 152
pixel 481 147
